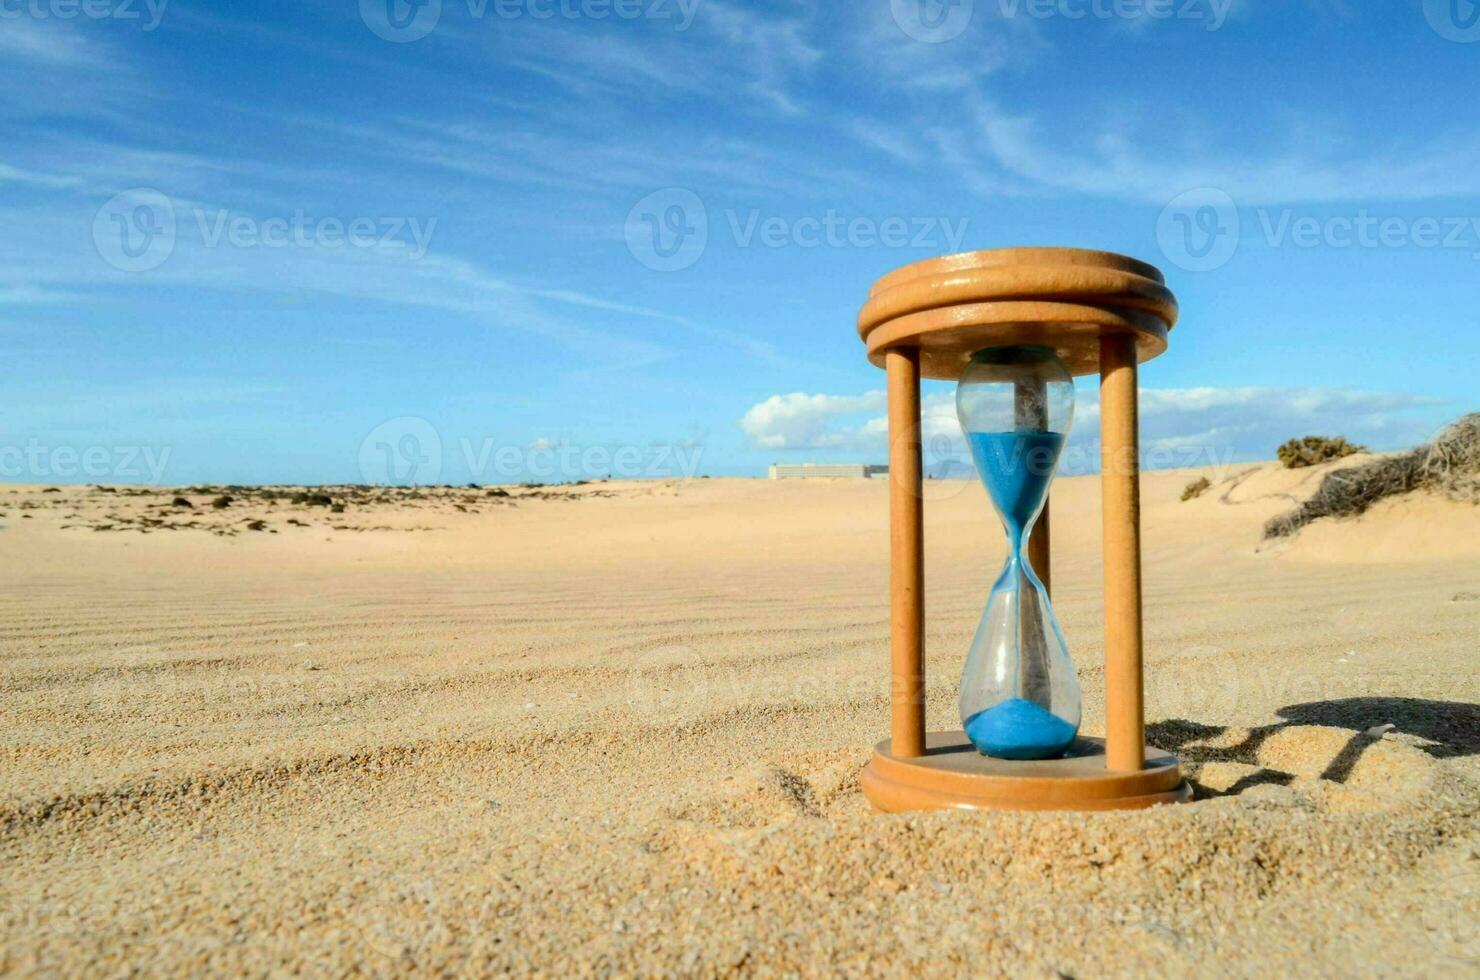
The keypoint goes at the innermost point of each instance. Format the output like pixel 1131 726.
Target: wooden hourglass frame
pixel 1100 313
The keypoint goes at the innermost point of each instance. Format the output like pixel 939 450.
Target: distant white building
pixel 813 471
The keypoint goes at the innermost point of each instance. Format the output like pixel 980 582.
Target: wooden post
pixel 1038 551
pixel 1125 735
pixel 906 556
pixel 1030 413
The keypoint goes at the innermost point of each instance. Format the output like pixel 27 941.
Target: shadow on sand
pixel 1450 728
pixel 1453 725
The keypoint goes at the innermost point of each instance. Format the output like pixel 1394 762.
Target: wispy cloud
pixel 38 265
pixel 1118 161
pixel 49 43
pixel 958 120
pixel 885 54
pixel 773 47
pixel 15 175
pixel 762 52
pixel 52 69
pixel 887 140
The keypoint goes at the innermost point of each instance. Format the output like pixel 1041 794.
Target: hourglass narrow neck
pixel 1016 468
pixel 1018 538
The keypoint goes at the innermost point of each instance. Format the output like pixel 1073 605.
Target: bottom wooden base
pixel 953 775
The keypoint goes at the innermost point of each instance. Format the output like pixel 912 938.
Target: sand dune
pixel 617 728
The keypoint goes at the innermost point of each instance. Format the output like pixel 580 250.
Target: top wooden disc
pixel 1063 298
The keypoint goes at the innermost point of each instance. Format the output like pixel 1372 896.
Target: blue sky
pixel 345 240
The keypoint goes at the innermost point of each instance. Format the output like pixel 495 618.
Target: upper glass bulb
pixel 1015 389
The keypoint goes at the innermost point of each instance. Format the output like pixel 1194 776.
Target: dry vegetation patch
pixel 1315 450
pixel 1196 488
pixel 1449 465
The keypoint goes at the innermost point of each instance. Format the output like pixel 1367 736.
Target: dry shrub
pixel 1196 488
pixel 1450 465
pixel 1314 450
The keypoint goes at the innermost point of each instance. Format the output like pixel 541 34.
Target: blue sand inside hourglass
pixel 1019 729
pixel 1017 468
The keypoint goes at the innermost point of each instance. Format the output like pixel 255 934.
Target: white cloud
pixel 1250 422
pixel 1179 426
pixel 800 421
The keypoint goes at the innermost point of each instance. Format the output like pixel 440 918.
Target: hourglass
pixel 1019 694
pixel 1013 327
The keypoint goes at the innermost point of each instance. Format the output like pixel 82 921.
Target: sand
pixel 617 729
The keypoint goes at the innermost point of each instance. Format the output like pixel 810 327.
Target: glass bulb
pixel 1019 693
